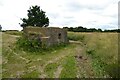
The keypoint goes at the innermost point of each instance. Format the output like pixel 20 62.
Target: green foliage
pixel 36 17
pixel 29 44
pixel 83 29
pixel 99 66
pixel 69 70
pixel 97 63
pixel 113 70
pixel 50 69
pixel 90 52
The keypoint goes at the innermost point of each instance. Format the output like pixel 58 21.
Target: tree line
pixel 83 29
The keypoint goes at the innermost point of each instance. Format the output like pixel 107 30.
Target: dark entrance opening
pixel 59 36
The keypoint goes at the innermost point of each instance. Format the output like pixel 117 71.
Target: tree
pixel 0 27
pixel 36 17
pixel 99 30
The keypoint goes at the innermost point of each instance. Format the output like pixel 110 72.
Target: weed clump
pixel 29 44
pixel 90 52
pixel 113 70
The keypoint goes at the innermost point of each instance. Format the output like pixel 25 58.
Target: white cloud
pixel 86 13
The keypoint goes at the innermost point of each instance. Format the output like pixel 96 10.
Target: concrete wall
pixel 49 36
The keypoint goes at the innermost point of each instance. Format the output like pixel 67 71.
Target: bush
pixel 29 44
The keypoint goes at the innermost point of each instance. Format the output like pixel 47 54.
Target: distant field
pixel 95 56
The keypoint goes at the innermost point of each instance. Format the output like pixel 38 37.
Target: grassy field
pixel 103 50
pixel 95 56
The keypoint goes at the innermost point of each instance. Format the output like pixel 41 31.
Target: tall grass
pixel 76 36
pixel 103 49
pixel 17 33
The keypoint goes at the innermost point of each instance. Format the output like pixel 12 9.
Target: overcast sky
pixel 71 13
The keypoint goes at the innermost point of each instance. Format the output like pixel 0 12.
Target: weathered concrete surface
pixel 48 36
